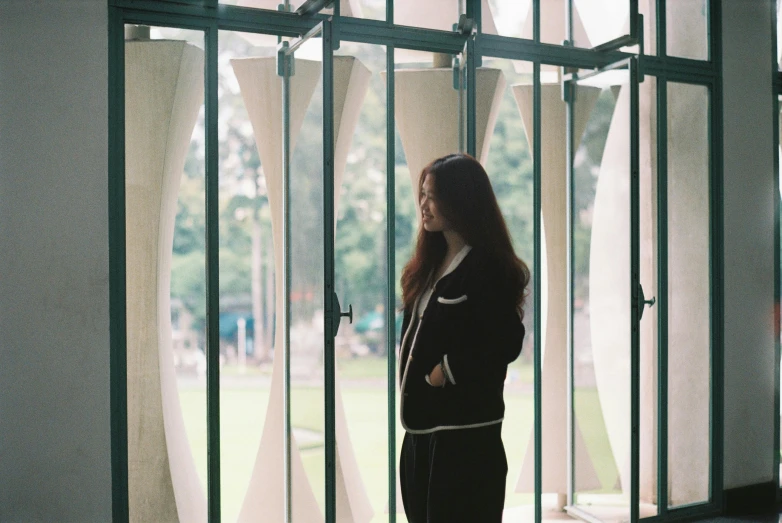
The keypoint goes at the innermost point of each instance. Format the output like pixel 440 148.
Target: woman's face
pixel 432 218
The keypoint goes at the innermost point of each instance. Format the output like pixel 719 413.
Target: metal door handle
pixel 337 316
pixel 642 301
pixel 348 313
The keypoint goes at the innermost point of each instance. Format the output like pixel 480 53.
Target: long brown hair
pixel 467 201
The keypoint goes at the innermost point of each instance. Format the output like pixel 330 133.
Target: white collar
pixel 456 261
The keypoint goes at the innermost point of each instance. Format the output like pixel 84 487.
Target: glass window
pixel 373 9
pixel 249 169
pixel 601 304
pixel 689 294
pixel 504 146
pixel 507 18
pixel 166 259
pixel 361 280
pixel 687 28
pixel 165 273
pixel 779 32
pixel 432 14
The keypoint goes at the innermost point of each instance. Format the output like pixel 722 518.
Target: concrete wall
pixel 749 242
pixel 55 462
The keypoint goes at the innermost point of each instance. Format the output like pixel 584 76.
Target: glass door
pixel 312 311
pixel 605 300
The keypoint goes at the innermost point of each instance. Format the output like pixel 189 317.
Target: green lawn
pixel 243 411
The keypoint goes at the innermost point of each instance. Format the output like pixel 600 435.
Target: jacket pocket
pixel 452 301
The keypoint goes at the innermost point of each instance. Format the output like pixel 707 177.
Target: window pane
pixel 432 14
pixel 602 294
pixel 687 28
pixel 689 294
pixel 601 298
pixel 505 149
pixel 165 202
pixel 361 281
pixel 307 291
pixel 779 32
pixel 250 163
pixel 507 18
pixel 596 22
pixel 375 9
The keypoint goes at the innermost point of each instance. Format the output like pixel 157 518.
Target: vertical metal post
pixel 568 94
pixel 570 187
pixel 635 311
pixel 286 60
pixel 633 18
pixel 391 265
pixel 391 269
pixel 716 271
pixel 471 95
pixel 662 268
pixel 777 283
pixel 537 289
pixel 459 65
pixel 475 13
pixel 662 29
pixel 331 315
pixel 777 261
pixel 118 362
pixel 212 277
pixel 537 270
pixel 662 293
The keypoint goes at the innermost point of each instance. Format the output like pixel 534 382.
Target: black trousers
pixel 454 476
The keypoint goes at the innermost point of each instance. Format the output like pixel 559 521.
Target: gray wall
pixel 749 243
pixel 55 462
pixel 54 335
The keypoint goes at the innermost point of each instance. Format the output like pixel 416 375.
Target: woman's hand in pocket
pixel 436 377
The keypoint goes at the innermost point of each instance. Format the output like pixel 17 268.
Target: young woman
pixel 462 293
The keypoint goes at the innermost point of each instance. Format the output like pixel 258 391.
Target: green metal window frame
pixel 775 105
pixel 210 17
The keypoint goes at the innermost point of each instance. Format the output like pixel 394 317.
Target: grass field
pixel 243 408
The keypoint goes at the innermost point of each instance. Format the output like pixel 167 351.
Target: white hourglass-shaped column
pixel 427 114
pixel 554 281
pixel 262 92
pixel 163 92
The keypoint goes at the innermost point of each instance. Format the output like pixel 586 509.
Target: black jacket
pixel 472 325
